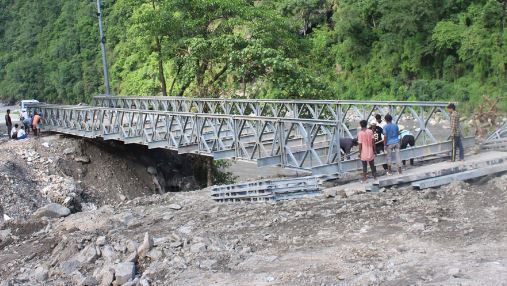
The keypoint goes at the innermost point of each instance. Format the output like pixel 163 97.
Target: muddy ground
pixel 455 235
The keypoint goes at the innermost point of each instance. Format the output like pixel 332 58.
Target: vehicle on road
pixel 23 105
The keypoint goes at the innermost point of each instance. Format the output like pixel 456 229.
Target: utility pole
pixel 103 47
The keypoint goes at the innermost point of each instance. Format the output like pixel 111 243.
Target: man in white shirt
pixel 21 133
pixel 14 131
pixel 381 123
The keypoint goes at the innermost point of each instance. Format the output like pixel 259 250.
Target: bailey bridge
pixel 296 134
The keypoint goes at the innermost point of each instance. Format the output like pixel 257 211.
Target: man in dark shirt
pixel 377 136
pixel 8 122
pixel 346 145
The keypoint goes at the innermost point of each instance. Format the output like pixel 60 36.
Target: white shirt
pixel 13 130
pixel 21 132
pixel 382 124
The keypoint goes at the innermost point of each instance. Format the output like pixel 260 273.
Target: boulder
pixel 330 192
pixel 82 159
pixel 101 241
pixel 107 278
pixel 88 254
pixel 198 247
pixel 207 264
pixel 88 281
pixel 132 257
pixel 152 170
pixel 108 253
pixel 68 151
pixel 146 245
pixel 40 274
pixel 154 254
pixel 52 210
pixel 5 234
pixel 335 192
pixel 124 272
pixel 70 266
pixel 174 206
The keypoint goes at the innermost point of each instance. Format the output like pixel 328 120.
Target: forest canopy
pixel 319 49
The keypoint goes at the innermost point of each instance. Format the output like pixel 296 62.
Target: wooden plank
pixel 463 176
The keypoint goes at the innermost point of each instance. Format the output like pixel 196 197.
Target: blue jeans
pixel 457 144
pixel 22 137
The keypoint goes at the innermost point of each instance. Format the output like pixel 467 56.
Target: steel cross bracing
pixel 294 134
pixel 496 140
pixel 499 134
pixel 348 112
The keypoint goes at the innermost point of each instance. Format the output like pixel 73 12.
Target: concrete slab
pixel 462 176
pixel 444 168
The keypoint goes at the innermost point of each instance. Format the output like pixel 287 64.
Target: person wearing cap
pixel 406 139
pixel 455 133
pixel 378 137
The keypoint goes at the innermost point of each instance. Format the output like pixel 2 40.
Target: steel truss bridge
pixel 298 134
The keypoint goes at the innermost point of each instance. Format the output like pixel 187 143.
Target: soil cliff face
pixel 90 172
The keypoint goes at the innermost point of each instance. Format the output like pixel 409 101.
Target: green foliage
pixel 221 173
pixel 346 49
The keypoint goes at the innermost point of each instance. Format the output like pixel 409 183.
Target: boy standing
pixel 392 143
pixel 366 150
pixel 36 124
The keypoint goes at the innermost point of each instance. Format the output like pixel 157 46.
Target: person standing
pixel 392 143
pixel 380 122
pixel 407 139
pixel 8 122
pixel 27 122
pixel 455 133
pixel 366 150
pixel 36 124
pixel 378 134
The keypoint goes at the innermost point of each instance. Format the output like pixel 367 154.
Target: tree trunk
pixel 244 86
pixel 199 77
pixel 184 87
pixel 174 80
pixel 161 74
pixel 217 76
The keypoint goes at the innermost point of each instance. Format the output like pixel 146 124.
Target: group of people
pixel 21 130
pixel 384 136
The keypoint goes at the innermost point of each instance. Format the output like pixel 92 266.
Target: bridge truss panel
pixel 293 134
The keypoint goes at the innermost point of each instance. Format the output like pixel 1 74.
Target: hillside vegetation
pixel 339 49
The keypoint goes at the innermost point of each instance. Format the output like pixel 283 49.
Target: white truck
pixel 23 107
